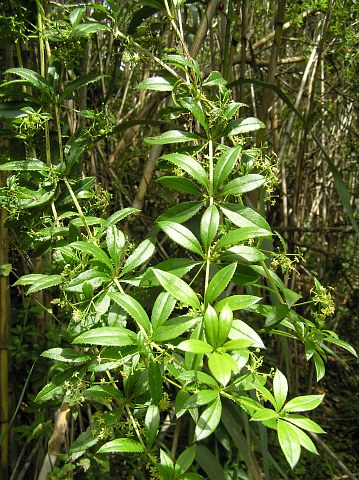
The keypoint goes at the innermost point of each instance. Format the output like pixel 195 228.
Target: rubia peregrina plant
pixel 146 340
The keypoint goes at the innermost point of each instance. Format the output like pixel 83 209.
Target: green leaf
pixel 67 355
pixel 134 308
pixel 208 421
pixel 140 255
pixel 219 283
pixel 242 216
pixel 289 442
pixel 210 320
pixel 93 250
pixel 194 346
pixel 84 441
pixel 182 212
pixel 118 216
pixel 209 226
pixel 303 403
pixel 221 366
pixel 89 28
pixel 185 460
pixel 44 281
pixel 193 106
pixel 93 277
pixel 240 235
pixel 103 392
pixel 304 423
pixel 30 164
pixel 172 136
pixel 342 344
pixel 196 376
pixel 174 328
pixel 264 414
pixel 182 62
pixel 115 242
pixel 182 236
pixel 109 336
pixel 244 125
pixel 203 397
pixel 276 315
pixel 319 366
pixel 35 80
pixel 232 109
pixel 56 385
pixel 214 78
pixel 121 445
pixel 155 381
pixel 78 83
pixel 178 288
pixel 181 184
pixel 240 185
pixel 225 164
pixel 304 440
pixel 237 302
pixel 280 389
pixel 162 309
pixel 152 423
pixel 159 84
pixel 244 254
pixel 240 344
pixel 190 166
pixel 240 330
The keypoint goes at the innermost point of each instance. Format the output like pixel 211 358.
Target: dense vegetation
pixel 179 230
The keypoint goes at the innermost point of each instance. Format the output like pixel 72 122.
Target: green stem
pixel 138 433
pixel 272 283
pixel 78 206
pixel 211 202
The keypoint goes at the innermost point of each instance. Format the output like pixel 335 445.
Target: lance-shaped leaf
pixel 159 84
pixel 25 165
pixel 209 226
pixel 193 106
pixel 289 442
pixel 342 344
pixel 177 288
pixel 304 423
pixel 121 445
pixel 237 302
pixel 203 397
pixel 221 366
pixel 88 28
pixel 139 256
pixel 264 414
pixel 181 184
pixel 115 241
pixel 244 184
pixel 182 62
pixel 190 166
pixel 35 80
pixel 155 381
pixel 93 250
pixel 67 355
pixel 152 423
pixel 245 125
pixel 214 78
pixel 109 336
pixel 242 216
pixel 303 403
pixel 118 216
pixel 132 307
pixel 46 281
pixel 243 253
pixel 93 277
pixel 182 236
pixel 240 235
pixel 162 309
pixel 195 346
pixel 219 283
pixel 172 136
pixel 240 330
pixel 182 212
pixel 209 420
pixel 224 165
pixel 280 389
pixel 174 327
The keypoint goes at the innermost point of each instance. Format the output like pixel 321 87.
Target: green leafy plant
pixel 146 340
